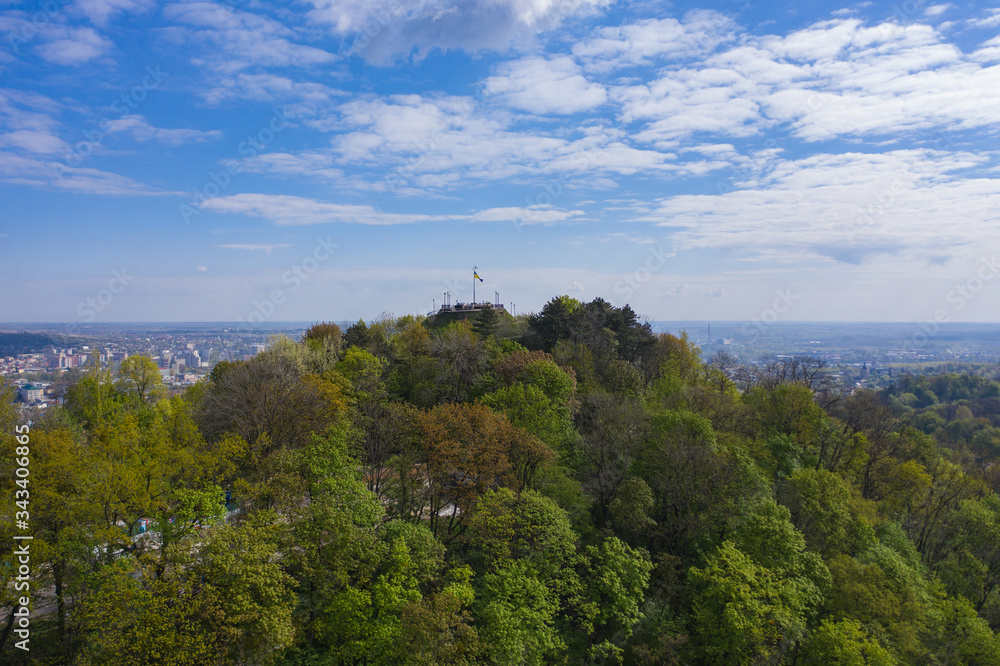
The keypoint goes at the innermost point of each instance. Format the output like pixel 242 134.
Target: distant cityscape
pixel 855 354
pixel 185 353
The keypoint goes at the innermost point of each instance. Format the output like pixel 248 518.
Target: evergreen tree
pixel 487 322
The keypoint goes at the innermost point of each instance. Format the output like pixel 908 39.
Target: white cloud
pixel 34 141
pixel 687 290
pixel 411 144
pixel 426 142
pixel 27 110
pixel 988 51
pixel 538 214
pixel 313 165
pixel 835 79
pixel 846 208
pixel 101 11
pixel 828 40
pixel 236 39
pixel 650 41
pixel 991 20
pixel 21 170
pixel 268 87
pixel 382 32
pixel 140 130
pixel 937 10
pixel 72 46
pixel 94 181
pixel 714 100
pixel 286 210
pixel 541 85
pixel 252 247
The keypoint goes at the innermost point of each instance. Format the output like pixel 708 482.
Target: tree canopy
pixel 565 487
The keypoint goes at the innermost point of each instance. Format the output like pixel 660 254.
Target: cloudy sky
pixel 335 159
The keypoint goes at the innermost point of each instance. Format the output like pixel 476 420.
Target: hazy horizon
pixel 305 323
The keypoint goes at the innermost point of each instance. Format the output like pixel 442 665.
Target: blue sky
pixel 188 161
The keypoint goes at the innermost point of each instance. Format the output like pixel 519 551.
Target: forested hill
pixel 12 344
pixel 559 488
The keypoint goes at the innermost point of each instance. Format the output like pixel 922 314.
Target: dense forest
pixel 560 488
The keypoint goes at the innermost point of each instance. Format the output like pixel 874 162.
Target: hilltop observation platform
pixel 449 313
pixel 469 307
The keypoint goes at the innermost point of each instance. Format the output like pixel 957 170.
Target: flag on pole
pixel 476 275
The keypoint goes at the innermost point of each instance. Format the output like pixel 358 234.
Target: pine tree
pixel 486 324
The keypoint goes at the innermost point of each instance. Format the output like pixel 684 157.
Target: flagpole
pixel 474 269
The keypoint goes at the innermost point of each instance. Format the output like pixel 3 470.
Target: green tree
pixel 358 335
pixel 615 579
pixel 844 643
pixel 487 322
pixel 249 595
pixel 972 569
pixel 766 535
pixel 526 526
pixel 527 407
pixel 438 630
pixel 698 489
pixel 130 616
pixel 62 518
pixel 555 322
pixel 461 362
pixel 743 613
pixel 468 450
pixel 820 508
pixel 613 432
pixel 229 602
pixel 332 549
pixel 959 636
pixel 93 398
pixel 270 404
pixel 139 375
pixel 517 617
pixel 323 343
pixel 326 332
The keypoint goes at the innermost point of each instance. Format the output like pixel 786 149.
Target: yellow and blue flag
pixel 476 275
